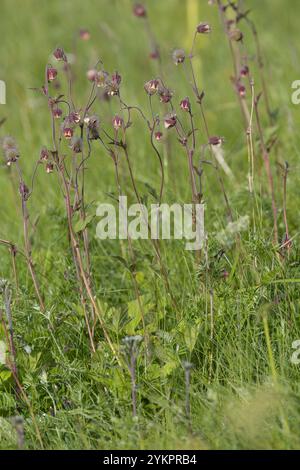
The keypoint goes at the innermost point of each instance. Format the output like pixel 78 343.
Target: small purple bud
pixel 139 10
pixel 117 122
pixel 244 71
pixel 185 105
pixel 59 54
pixel 170 121
pixel 203 28
pixel 57 113
pixel 51 74
pixel 158 135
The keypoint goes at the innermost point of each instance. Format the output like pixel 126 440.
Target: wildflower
pixel 170 121
pixel 178 56
pixel 154 54
pixel 92 75
pixel 76 144
pixel 165 95
pixel 101 78
pixel 51 73
pixel 185 105
pixel 216 140
pixel 236 35
pixel 74 117
pixel 93 127
pixel 117 122
pixel 158 135
pixel 68 133
pixel 60 55
pixel 49 167
pixel 244 71
pixel 203 28
pixel 44 154
pixel 241 90
pixel 11 156
pixel 57 113
pixel 84 34
pixel 8 143
pixel 151 87
pixel 139 10
pixel 113 86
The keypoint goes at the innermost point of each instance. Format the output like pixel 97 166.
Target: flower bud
pixel 24 191
pixel 84 34
pixel 244 71
pixel 49 167
pixel 68 133
pixel 139 10
pixel 51 74
pixel 241 90
pixel 154 54
pixel 117 122
pixel 178 56
pixel 76 144
pixel 158 135
pixel 92 75
pixel 151 87
pixel 216 141
pixel 170 121
pixel 185 105
pixel 59 54
pixel 236 35
pixel 57 113
pixel 44 154
pixel 203 28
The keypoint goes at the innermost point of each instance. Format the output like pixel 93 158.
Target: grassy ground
pixel 236 330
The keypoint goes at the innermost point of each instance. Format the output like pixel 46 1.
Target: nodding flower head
pixel 74 117
pixel 102 78
pixel 113 86
pixel 241 90
pixel 185 104
pixel 49 167
pixel 76 144
pixel 216 141
pixel 170 120
pixel 244 72
pixel 92 75
pixel 151 86
pixel 10 150
pixel 203 28
pixel 117 122
pixel 165 95
pixel 178 56
pixel 84 34
pixel 158 136
pixel 44 154
pixel 59 54
pixel 236 35
pixel 68 132
pixel 93 127
pixel 139 10
pixel 56 112
pixel 51 73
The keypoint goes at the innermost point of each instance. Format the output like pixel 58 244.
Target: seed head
pixel 185 105
pixel 51 73
pixel 139 10
pixel 203 28
pixel 151 87
pixel 170 121
pixel 117 122
pixel 178 56
pixel 59 54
